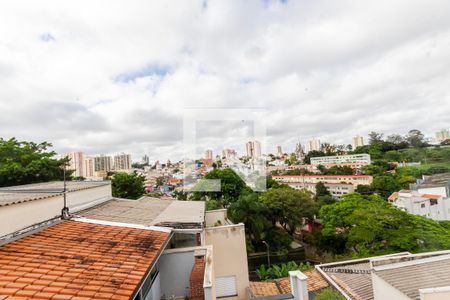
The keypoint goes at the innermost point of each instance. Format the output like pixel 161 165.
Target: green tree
pixel 250 211
pixel 313 153
pixel 128 186
pixel 28 162
pixel 416 138
pixel 231 187
pixel 288 207
pixel 385 185
pixel 329 294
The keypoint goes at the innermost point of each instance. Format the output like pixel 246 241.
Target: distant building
pixel 145 159
pixel 337 185
pixel 443 135
pixel 314 145
pixel 353 159
pixel 253 149
pixel 122 161
pixel 299 151
pixel 76 163
pixel 208 154
pixel 103 163
pixel 229 153
pixel 89 167
pixel 357 141
pixel 279 151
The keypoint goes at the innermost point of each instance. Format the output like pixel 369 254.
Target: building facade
pixel 122 162
pixel 357 141
pixel 89 167
pixel 208 154
pixel 76 163
pixel 314 145
pixel 360 159
pixel 443 135
pixel 253 149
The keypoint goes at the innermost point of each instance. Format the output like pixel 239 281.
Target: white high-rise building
pixel 314 145
pixel 122 161
pixel 76 163
pixel 208 154
pixel 443 135
pixel 357 141
pixel 89 167
pixel 279 151
pixel 299 151
pixel 228 153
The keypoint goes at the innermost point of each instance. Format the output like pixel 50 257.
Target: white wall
pixel 175 270
pixel 230 255
pixel 383 290
pixel 21 215
pixel 213 216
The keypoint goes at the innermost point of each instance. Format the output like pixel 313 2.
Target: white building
pixel 122 162
pixel 89 167
pixel 208 154
pixel 229 153
pixel 431 206
pixel 253 149
pixel 361 159
pixel 76 163
pixel 314 145
pixel 357 141
pixel 279 151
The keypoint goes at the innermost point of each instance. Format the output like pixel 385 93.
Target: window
pixel 422 205
pixel 226 286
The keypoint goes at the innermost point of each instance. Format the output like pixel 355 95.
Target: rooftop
pixel 150 211
pixel 30 192
pixel 283 286
pixel 82 259
pixel 435 180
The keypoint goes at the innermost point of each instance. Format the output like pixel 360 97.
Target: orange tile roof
pixel 283 285
pixel 431 196
pixel 78 260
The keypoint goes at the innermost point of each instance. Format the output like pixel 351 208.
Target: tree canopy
pixel 129 186
pixel 28 162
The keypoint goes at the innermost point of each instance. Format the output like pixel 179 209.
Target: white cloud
pixel 115 76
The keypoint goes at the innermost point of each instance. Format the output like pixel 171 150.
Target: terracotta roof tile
pixel 78 260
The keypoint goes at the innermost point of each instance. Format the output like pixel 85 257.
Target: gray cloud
pixel 117 77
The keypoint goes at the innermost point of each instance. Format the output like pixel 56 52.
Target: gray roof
pixel 404 271
pixel 30 192
pixel 150 211
pixel 353 277
pixel 436 180
pixel 409 277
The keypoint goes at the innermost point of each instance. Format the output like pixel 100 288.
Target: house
pixel 204 256
pixel 431 206
pixel 400 276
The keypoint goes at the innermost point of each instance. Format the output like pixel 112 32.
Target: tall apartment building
pixel 279 151
pixel 103 163
pixel 122 161
pixel 299 151
pixel 145 159
pixel 357 141
pixel 253 149
pixel 89 167
pixel 76 163
pixel 352 159
pixel 208 154
pixel 314 145
pixel 443 135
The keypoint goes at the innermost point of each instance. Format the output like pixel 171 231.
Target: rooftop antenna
pixel 65 214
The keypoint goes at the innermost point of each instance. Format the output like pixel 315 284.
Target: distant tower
pixel 253 149
pixel 299 151
pixel 279 151
pixel 76 163
pixel 208 154
pixel 357 141
pixel 314 145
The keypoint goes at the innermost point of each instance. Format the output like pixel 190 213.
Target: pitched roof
pixel 283 285
pixel 81 259
pixel 408 277
pixel 150 211
pixel 36 191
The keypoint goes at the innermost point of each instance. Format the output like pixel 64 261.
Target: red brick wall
pixel 196 279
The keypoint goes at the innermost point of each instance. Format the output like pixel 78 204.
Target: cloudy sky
pixel 113 76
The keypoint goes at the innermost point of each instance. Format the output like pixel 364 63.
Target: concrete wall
pixel 212 217
pixel 441 293
pixel 383 290
pixel 230 255
pixel 175 269
pixel 21 215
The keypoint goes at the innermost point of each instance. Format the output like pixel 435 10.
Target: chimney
pixel 299 286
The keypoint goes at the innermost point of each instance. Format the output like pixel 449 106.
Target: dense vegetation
pixel 27 162
pixel 129 186
pixel 280 271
